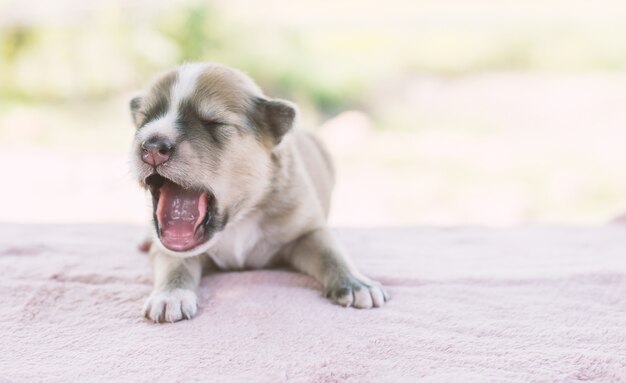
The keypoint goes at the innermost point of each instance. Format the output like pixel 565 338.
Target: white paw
pixel 171 305
pixel 361 293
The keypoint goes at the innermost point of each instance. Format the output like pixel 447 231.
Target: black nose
pixel 156 150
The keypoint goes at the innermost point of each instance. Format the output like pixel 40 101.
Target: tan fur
pixel 275 186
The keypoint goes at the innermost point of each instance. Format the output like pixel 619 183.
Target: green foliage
pixel 322 64
pixel 195 31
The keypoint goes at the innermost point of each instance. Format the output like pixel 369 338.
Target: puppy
pixel 235 185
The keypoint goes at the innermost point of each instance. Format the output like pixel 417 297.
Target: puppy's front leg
pixel 175 282
pixel 320 255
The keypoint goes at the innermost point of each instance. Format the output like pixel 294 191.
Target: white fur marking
pixel 164 126
pixel 184 86
pixel 243 244
pixel 186 81
pixel 246 236
pixel 171 306
pixel 236 243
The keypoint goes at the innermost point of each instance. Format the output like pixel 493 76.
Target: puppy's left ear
pixel 135 107
pixel 277 116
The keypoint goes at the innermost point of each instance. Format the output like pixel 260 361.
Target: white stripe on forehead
pixel 184 86
pixel 186 82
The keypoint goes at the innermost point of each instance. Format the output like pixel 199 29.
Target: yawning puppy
pixel 235 186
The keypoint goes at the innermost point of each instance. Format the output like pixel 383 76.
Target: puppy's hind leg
pixel 320 255
pixel 175 282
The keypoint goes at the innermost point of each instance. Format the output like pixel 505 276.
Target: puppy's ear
pixel 135 107
pixel 277 116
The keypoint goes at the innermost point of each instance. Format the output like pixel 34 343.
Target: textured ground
pixel 526 304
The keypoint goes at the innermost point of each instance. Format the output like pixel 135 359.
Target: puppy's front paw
pixel 357 292
pixel 170 305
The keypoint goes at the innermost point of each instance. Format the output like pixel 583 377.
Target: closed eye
pixel 211 123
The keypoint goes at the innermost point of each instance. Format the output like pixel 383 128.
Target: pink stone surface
pixel 468 304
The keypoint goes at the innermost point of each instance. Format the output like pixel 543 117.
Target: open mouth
pixel 182 216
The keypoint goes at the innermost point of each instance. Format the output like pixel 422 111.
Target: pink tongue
pixel 179 213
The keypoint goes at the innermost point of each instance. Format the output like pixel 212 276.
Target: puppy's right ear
pixel 135 110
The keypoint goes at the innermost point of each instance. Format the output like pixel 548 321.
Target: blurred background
pixel 437 112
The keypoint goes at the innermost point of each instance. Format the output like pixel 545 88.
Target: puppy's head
pixel 203 147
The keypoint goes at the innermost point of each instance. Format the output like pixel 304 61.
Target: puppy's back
pixel 318 165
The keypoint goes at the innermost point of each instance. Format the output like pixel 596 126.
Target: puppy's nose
pixel 156 150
